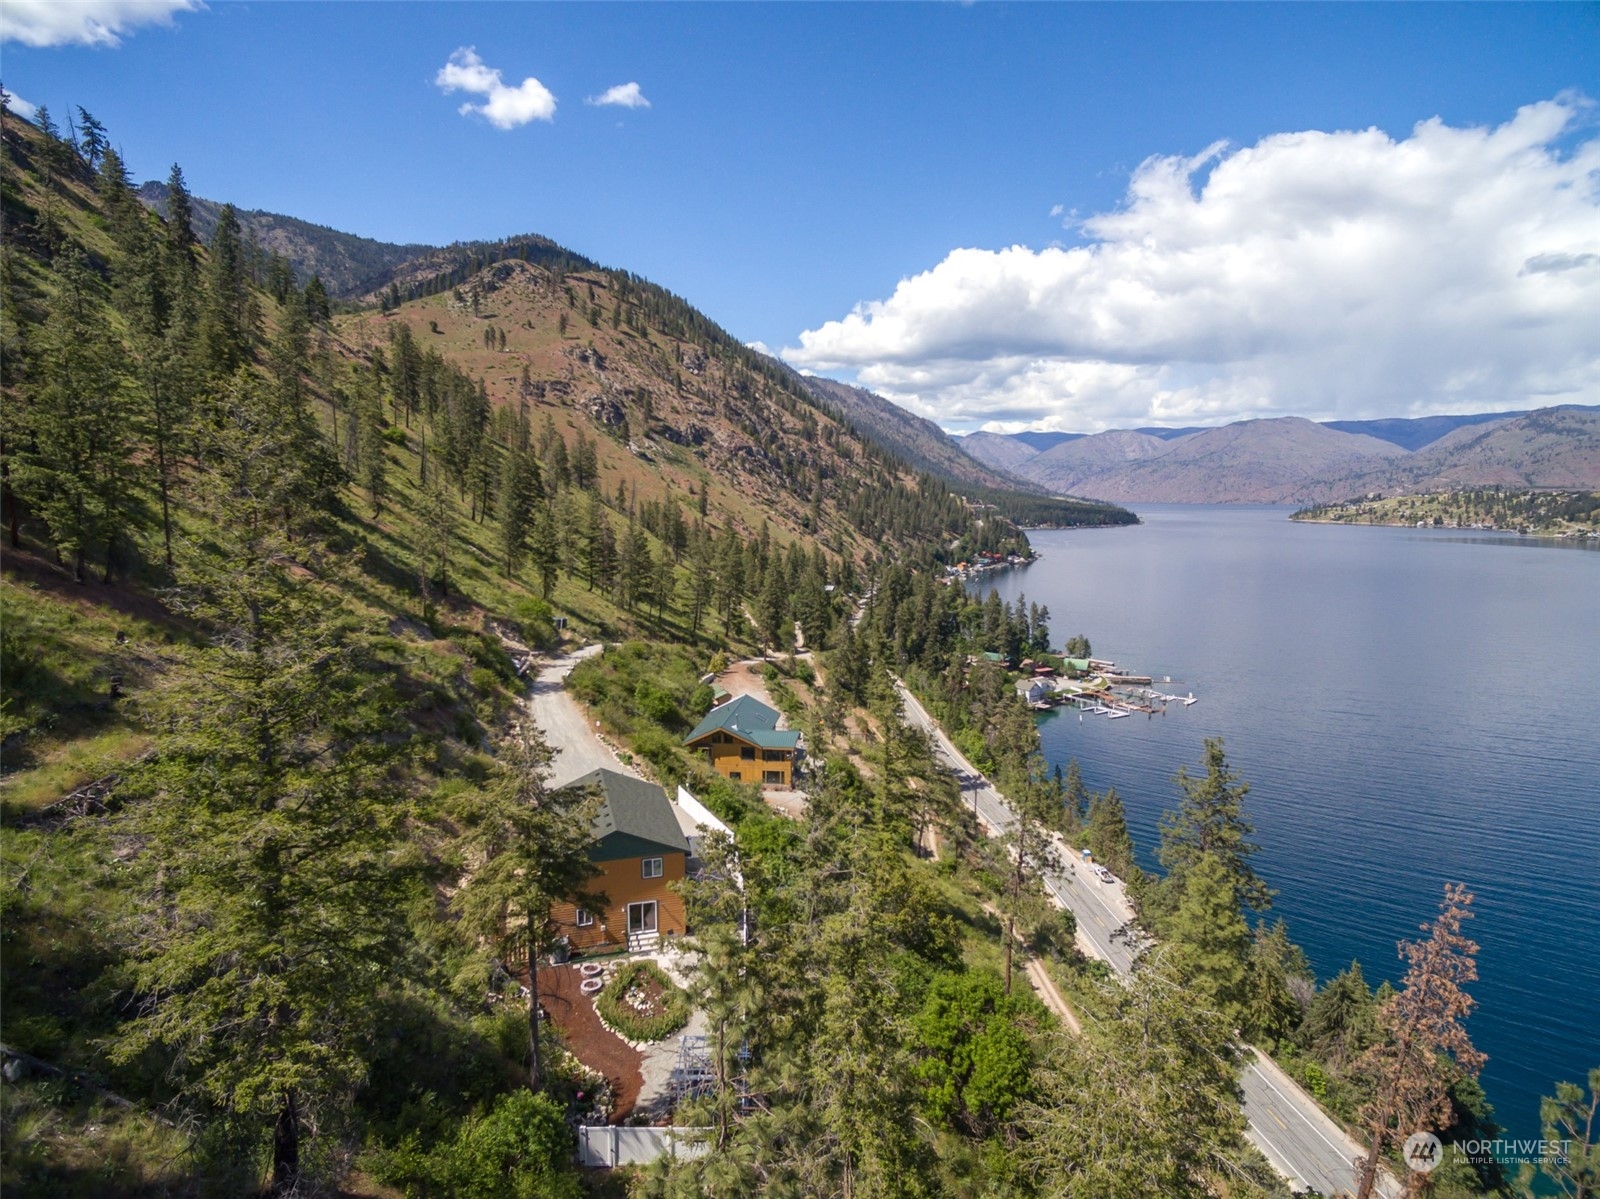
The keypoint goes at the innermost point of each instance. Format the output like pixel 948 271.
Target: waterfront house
pixel 639 848
pixel 742 741
pixel 1036 691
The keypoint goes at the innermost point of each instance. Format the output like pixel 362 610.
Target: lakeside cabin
pixel 742 741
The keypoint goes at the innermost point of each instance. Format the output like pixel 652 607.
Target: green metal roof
pixel 634 819
pixel 748 719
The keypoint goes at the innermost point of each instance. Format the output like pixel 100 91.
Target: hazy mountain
pixel 1291 460
pixel 1551 447
pixel 1003 451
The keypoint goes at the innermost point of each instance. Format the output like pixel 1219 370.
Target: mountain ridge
pixel 1293 460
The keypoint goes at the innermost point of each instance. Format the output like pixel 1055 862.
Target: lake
pixel 1409 706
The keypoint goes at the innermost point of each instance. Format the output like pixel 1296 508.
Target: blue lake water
pixel 1409 706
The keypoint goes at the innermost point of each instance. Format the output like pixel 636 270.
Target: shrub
pixel 615 1010
pixel 395 435
pixel 537 622
pixel 520 1149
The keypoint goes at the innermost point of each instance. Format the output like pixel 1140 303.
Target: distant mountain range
pixel 1291 460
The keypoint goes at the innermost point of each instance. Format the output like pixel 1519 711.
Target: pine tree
pixel 74 459
pixel 1106 832
pixel 545 549
pixel 318 309
pixel 1425 1049
pixel 268 818
pixel 1149 1106
pixel 371 450
pixel 520 493
pixel 1208 938
pixel 1573 1119
pixel 435 541
pixel 527 849
pixel 1342 1021
pixel 225 332
pixel 92 140
pixel 1211 820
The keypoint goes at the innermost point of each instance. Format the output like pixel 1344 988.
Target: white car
pixel 1105 875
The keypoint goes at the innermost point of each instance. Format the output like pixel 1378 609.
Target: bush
pixel 661 750
pixel 614 1009
pixel 395 435
pixel 521 1149
pixel 536 621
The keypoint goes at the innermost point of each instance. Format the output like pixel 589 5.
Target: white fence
pixel 610 1145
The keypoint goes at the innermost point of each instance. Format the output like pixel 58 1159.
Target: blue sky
pixel 807 174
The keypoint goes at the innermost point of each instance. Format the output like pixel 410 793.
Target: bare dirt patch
pixel 590 1041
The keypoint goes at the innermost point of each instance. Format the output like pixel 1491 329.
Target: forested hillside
pixel 346 264
pixel 262 567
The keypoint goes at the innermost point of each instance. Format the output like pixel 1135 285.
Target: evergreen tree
pixel 520 493
pixel 546 549
pixel 1210 820
pixel 225 332
pixel 436 540
pixel 1146 1105
pixel 269 822
pixel 318 309
pixel 372 454
pixel 527 849
pixel 74 457
pixel 92 141
pixel 1106 832
pixel 1342 1021
pixel 1209 939
pixel 1275 970
pixel 1573 1119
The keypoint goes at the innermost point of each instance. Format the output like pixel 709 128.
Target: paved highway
pixel 1285 1123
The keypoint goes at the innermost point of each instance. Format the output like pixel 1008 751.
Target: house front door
pixel 642 917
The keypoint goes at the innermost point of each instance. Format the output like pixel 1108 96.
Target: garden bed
pixel 642 1004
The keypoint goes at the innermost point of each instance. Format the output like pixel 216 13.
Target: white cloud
pixel 1057 209
pixel 16 104
pixel 1329 275
pixel 624 95
pixel 505 107
pixel 83 22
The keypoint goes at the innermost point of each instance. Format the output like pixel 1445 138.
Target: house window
pixel 774 755
pixel 584 919
pixel 772 776
pixel 735 775
pixel 746 754
pixel 652 867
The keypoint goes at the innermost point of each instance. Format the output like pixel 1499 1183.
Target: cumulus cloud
pixel 83 22
pixel 16 104
pixel 624 95
pixel 504 107
pixel 1346 274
